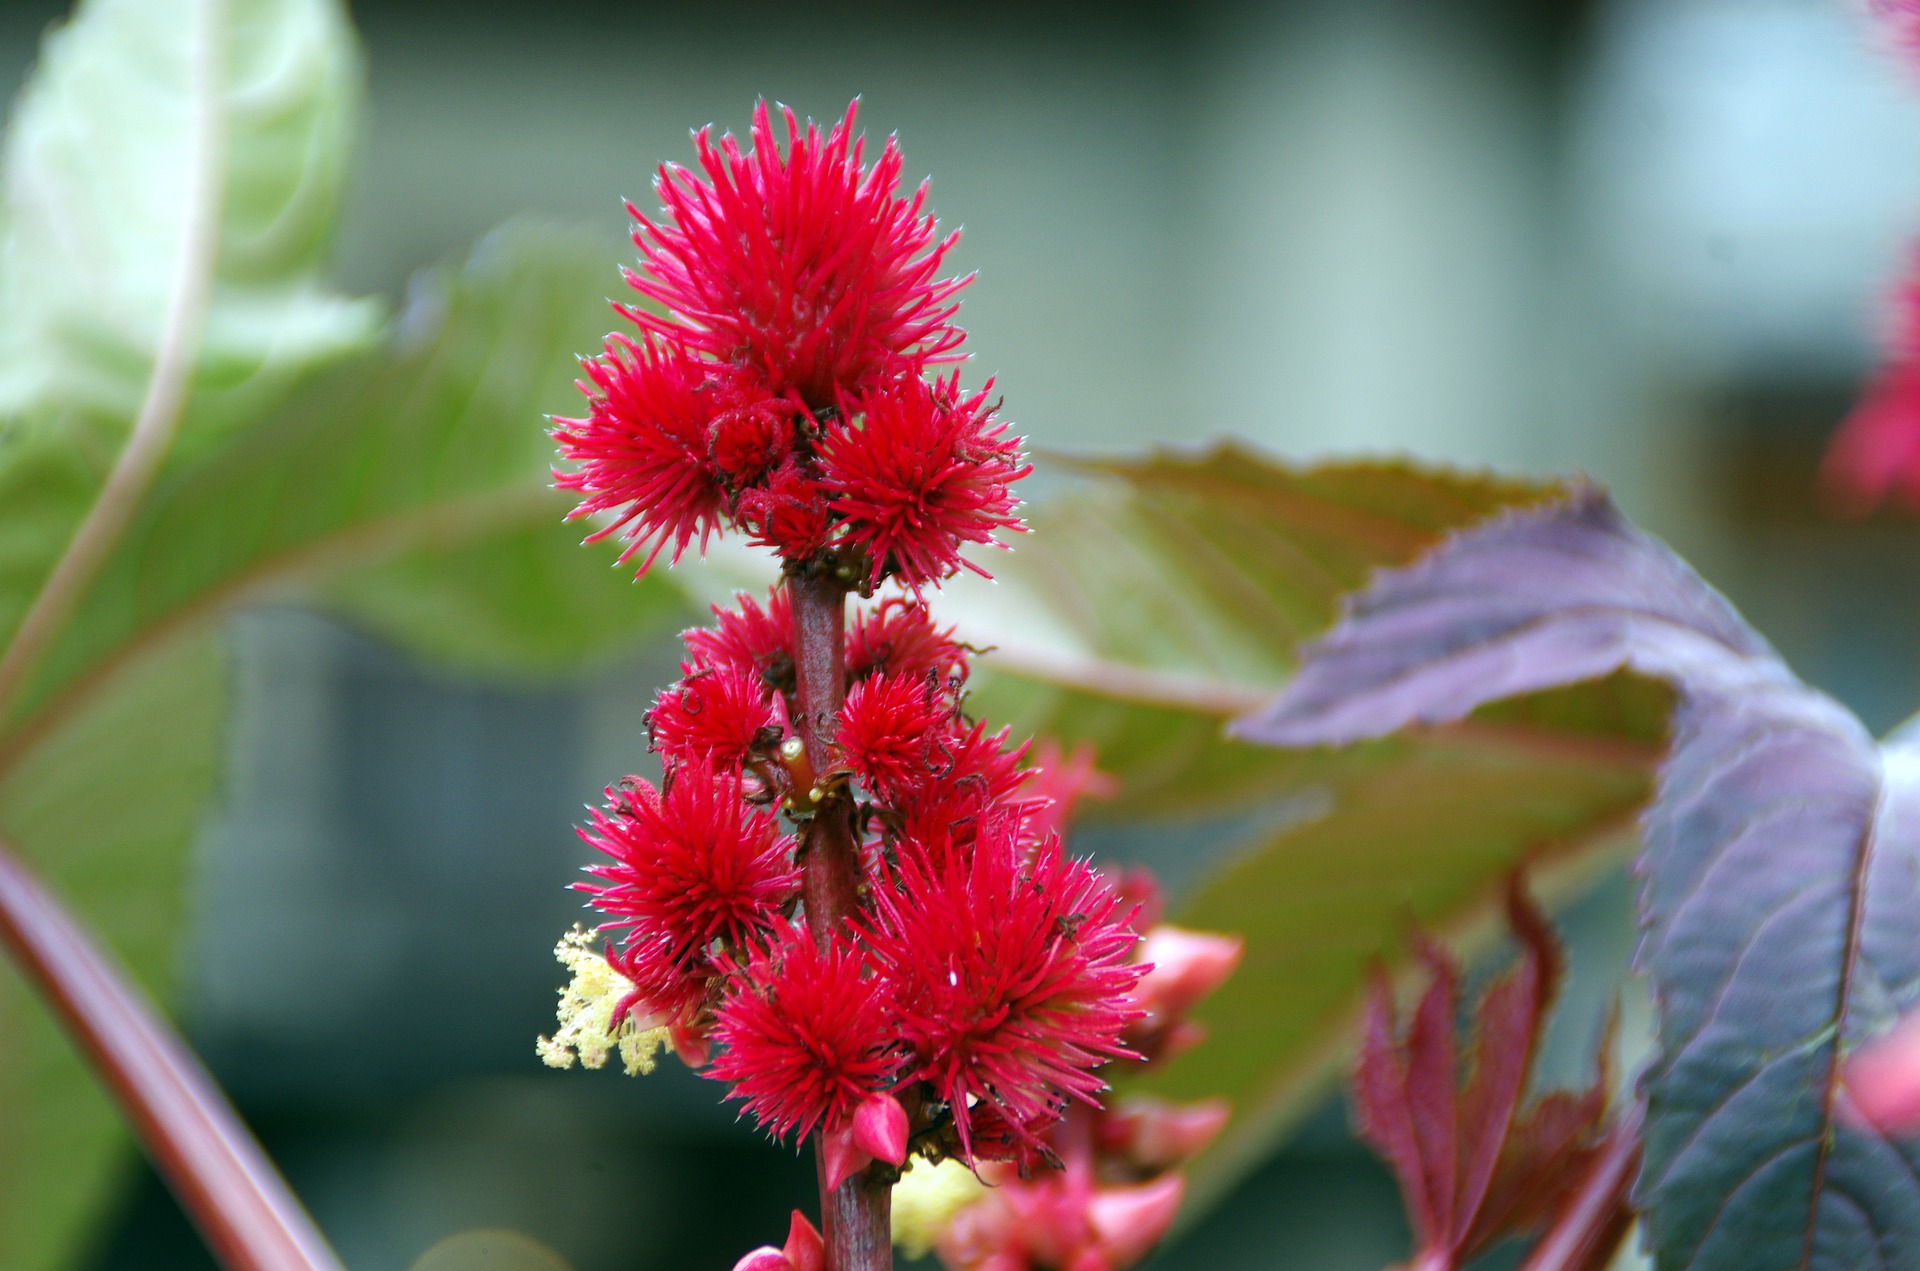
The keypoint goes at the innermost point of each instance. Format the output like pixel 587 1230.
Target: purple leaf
pixel 1781 874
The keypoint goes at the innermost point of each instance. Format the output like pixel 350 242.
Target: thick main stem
pixel 198 1144
pixel 854 1216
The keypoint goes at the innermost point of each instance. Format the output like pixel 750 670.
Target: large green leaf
pixel 433 446
pixel 408 486
pixel 144 120
pixel 1152 602
pixel 106 807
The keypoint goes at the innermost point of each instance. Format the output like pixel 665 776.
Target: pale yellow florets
pixel 925 1200
pixel 587 1030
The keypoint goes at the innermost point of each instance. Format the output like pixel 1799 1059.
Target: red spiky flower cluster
pixel 848 891
pixel 777 381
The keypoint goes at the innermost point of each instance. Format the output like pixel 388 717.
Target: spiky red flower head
pixel 748 640
pixel 803 268
pixel 1011 980
pixel 690 866
pixel 712 717
pixel 807 1035
pixel 888 728
pixel 642 451
pixel 898 637
pixel 751 437
pixel 917 471
pixel 788 514
pixel 972 785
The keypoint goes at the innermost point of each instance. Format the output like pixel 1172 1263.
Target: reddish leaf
pixel 1473 1166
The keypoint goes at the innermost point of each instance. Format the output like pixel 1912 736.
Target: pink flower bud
pixel 765 1258
pixel 690 1044
pixel 1129 1221
pixel 1157 1135
pixel 841 1155
pixel 805 1250
pixel 1881 1081
pixel 1090 1259
pixel 880 1129
pixel 1187 966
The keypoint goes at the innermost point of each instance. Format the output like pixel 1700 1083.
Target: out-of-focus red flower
pixel 1875 456
pixel 710 717
pixel 918 471
pixel 804 268
pixel 807 1036
pixel 1011 980
pixel 642 453
pixel 1057 782
pixel 689 867
pixel 1881 1081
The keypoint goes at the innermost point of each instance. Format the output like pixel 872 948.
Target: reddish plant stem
pixel 1589 1230
pixel 854 1216
pixel 249 1218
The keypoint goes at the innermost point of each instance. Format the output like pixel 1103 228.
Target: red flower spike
pixel 888 728
pixel 917 471
pixel 642 451
pixel 898 638
pixel 804 268
pixel 880 1129
pixel 1011 980
pixel 712 717
pixel 691 866
pixel 1473 1166
pixel 804 1248
pixel 1874 458
pixel 807 1035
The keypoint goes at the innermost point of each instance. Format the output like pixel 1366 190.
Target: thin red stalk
pixel 1591 1227
pixel 854 1216
pixel 223 1180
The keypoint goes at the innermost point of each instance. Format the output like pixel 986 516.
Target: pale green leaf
pixel 105 152
pixel 105 808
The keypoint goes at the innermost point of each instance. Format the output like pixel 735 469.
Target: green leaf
pixel 410 487
pixel 106 808
pixel 144 121
pixel 431 445
pixel 528 601
pixel 1155 600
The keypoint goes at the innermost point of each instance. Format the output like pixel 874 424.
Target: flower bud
pixel 842 1156
pixel 1187 966
pixel 765 1258
pixel 805 1250
pixel 1157 1135
pixel 1128 1221
pixel 880 1129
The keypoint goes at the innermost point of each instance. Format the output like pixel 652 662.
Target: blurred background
pixel 1644 239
